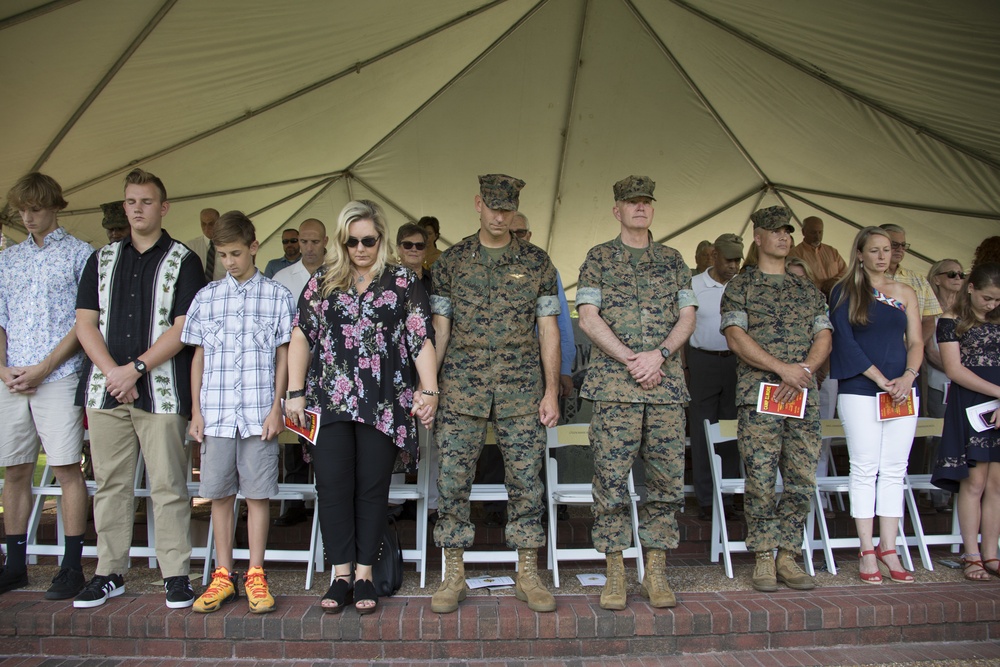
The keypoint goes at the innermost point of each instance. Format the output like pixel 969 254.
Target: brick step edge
pixel 494 627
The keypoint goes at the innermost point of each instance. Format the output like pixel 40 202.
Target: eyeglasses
pixel 900 246
pixel 410 245
pixel 288 241
pixel 519 233
pixel 368 241
pixel 953 274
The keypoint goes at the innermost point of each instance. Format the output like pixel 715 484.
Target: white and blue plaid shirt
pixel 239 327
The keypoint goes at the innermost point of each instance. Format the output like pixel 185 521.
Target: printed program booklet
pixel 311 430
pixel 979 415
pixel 888 410
pixel 767 404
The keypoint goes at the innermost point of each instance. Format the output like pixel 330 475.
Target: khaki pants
pixel 115 438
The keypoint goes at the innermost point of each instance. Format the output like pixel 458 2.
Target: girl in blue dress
pixel 968 460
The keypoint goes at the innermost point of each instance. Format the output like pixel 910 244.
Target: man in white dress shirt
pixel 712 372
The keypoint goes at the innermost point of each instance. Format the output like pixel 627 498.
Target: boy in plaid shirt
pixel 240 327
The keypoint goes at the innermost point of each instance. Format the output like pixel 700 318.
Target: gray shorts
pixel 247 465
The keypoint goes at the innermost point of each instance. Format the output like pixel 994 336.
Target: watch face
pixel 665 352
pixel 140 366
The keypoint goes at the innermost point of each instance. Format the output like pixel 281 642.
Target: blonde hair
pixel 855 288
pixel 338 261
pixel 799 262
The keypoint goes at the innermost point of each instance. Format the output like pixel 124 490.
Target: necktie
pixel 210 262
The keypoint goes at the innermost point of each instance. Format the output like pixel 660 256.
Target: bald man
pixel 204 247
pixel 826 263
pixel 312 244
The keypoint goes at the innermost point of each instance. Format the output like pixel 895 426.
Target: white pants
pixel 879 452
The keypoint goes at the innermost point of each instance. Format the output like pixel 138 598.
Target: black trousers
pixel 712 383
pixel 353 466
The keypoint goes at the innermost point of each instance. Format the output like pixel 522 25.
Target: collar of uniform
pixel 623 253
pixel 511 252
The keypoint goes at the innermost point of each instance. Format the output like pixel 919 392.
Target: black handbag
pixel 387 571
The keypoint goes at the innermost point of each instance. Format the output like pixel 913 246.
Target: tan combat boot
pixel 452 590
pixel 764 579
pixel 529 588
pixel 790 574
pixel 614 594
pixel 654 585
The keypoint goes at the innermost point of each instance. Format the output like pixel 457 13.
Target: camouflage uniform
pixel 641 303
pixel 782 314
pixel 491 370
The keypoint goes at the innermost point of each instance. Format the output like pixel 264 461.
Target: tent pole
pixel 848 221
pixel 892 204
pixel 253 113
pixel 102 84
pixel 823 78
pixel 399 209
pixel 326 186
pixel 746 223
pixel 697 91
pixel 567 124
pixel 29 14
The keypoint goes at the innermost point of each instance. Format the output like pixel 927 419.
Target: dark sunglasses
pixel 898 246
pixel 368 241
pixel 519 233
pixel 410 245
pixel 287 241
pixel 953 274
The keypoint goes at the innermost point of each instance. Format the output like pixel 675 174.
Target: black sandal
pixel 364 591
pixel 340 592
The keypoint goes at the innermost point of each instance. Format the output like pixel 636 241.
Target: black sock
pixel 73 553
pixel 17 553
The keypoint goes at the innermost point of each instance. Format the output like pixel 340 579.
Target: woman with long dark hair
pixel 877 347
pixel 361 352
pixel 969 460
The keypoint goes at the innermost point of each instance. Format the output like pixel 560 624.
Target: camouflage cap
pixel 634 186
pixel 500 192
pixel 772 218
pixel 730 245
pixel 114 215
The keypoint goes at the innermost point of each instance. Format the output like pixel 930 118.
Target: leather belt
pixel 721 353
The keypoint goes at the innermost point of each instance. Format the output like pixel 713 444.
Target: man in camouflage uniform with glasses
pixel 491 290
pixel 636 304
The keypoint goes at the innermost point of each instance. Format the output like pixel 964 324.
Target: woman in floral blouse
pixel 362 353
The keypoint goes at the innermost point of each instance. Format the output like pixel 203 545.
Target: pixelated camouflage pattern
pixel 641 304
pixel 634 186
pixel 493 358
pixel 114 215
pixel 772 218
pixel 618 433
pixel 767 444
pixel 500 192
pixel 460 440
pixel 782 319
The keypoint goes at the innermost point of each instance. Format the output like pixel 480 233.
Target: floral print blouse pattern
pixel 363 351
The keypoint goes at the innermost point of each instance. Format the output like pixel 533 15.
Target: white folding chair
pixel 313 556
pixel 417 492
pixel 483 493
pixel 724 431
pixel 561 493
pixel 833 428
pixel 927 427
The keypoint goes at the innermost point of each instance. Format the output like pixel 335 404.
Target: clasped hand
pixel 645 368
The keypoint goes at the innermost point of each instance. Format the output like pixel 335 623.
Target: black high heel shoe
pixel 364 590
pixel 340 592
